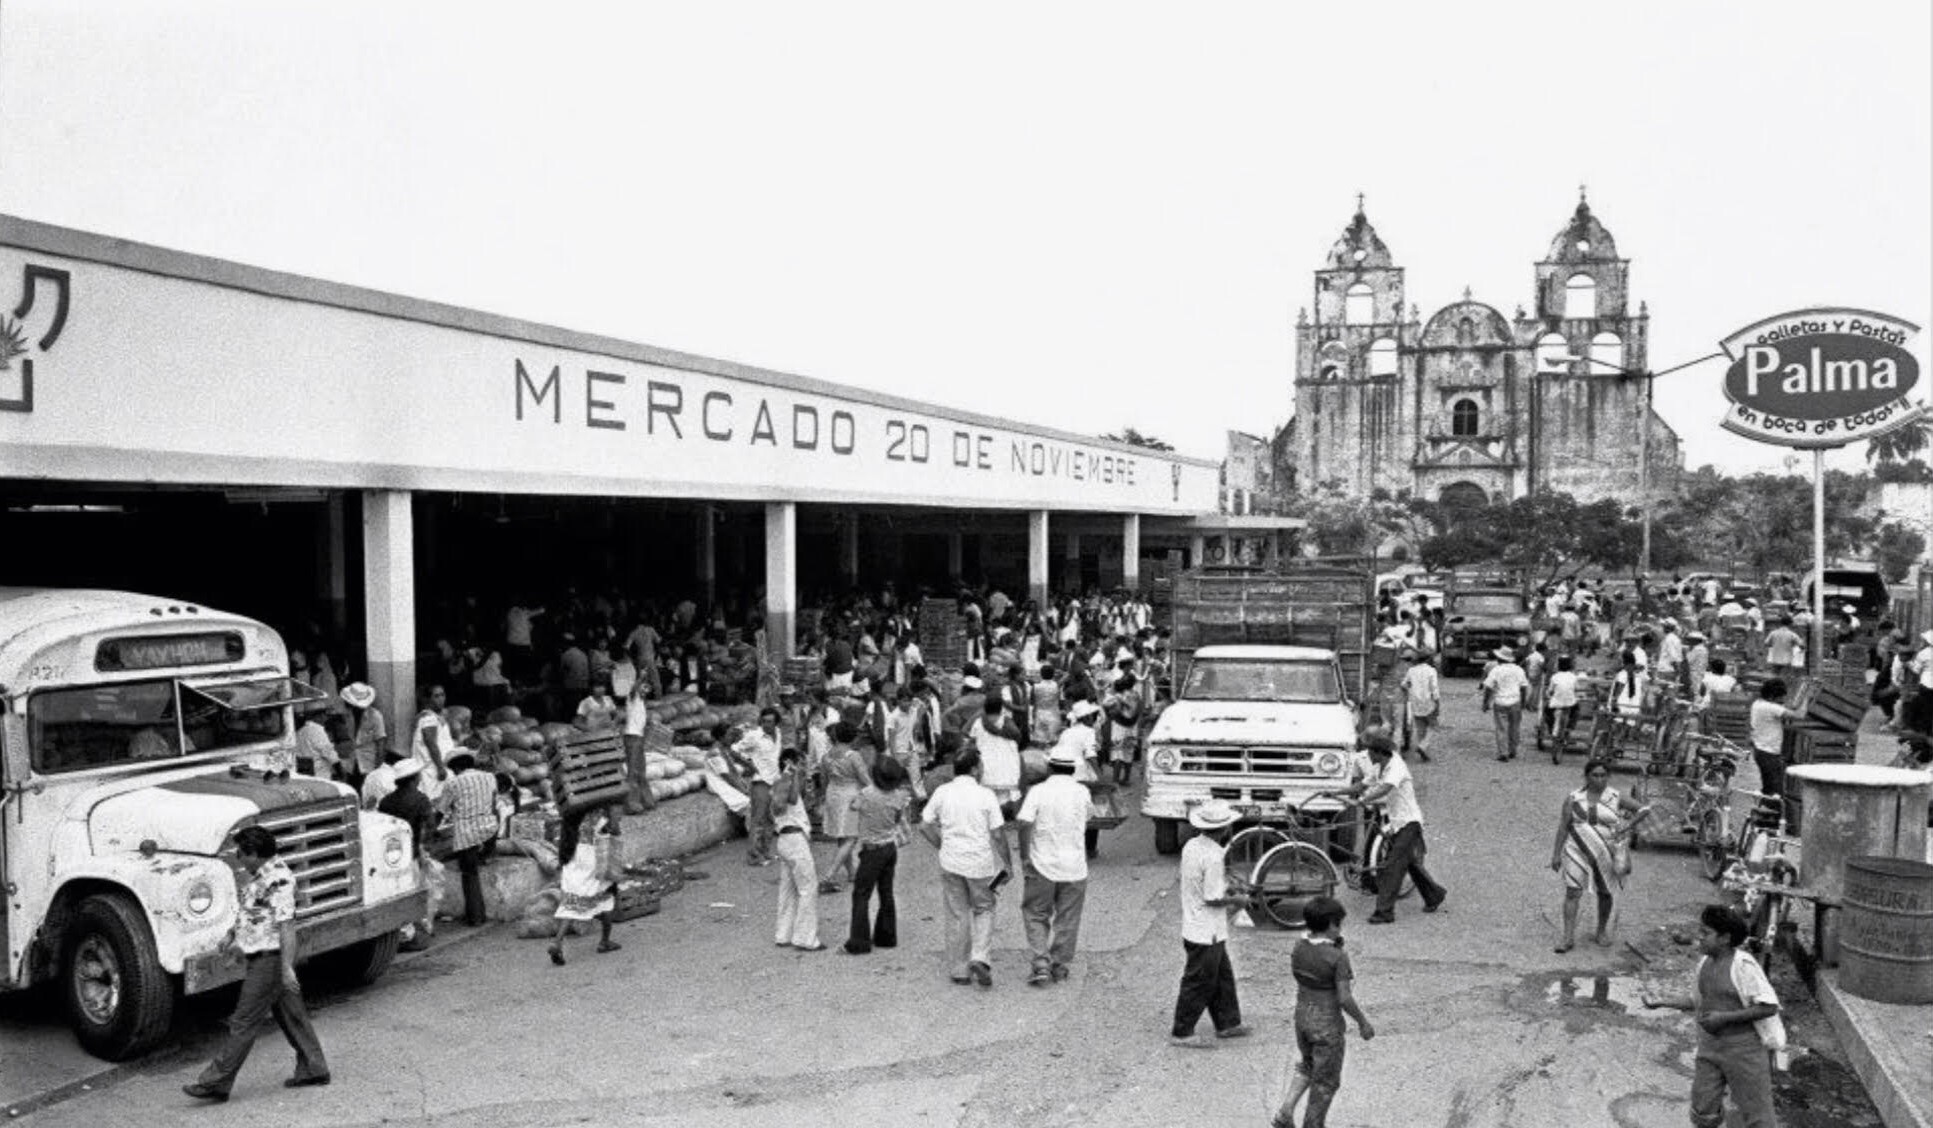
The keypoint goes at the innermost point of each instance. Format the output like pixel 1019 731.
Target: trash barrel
pixel 1886 934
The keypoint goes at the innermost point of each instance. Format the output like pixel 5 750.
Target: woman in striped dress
pixel 1589 829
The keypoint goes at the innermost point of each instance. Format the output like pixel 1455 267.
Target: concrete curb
pixel 1888 1047
pixel 674 829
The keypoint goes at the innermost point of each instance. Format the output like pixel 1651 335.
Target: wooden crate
pixel 1829 704
pixel 1730 716
pixel 1809 743
pixel 633 900
pixel 587 771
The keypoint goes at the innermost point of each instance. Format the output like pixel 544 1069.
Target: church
pixel 1469 406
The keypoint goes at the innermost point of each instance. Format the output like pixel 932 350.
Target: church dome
pixel 1466 322
pixel 1583 239
pixel 1360 248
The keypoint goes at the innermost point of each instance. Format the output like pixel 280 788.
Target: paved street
pixel 698 1020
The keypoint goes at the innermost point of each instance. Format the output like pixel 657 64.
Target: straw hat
pixel 359 695
pixel 1212 815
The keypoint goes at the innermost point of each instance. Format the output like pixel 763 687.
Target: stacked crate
pixel 942 635
pixel 1829 734
pixel 804 672
pixel 587 771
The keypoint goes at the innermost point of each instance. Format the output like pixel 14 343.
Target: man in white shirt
pixel 1422 700
pixel 993 735
pixel 1504 689
pixel 761 747
pixel 1207 978
pixel 1053 843
pixel 1671 654
pixel 315 753
pixel 963 819
pixel 1390 785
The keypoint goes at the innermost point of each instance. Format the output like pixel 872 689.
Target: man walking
pixel 963 819
pixel 1053 847
pixel 1422 699
pixel 1504 690
pixel 265 932
pixel 1207 977
pixel 1390 784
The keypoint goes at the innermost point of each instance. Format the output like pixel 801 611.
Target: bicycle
pixel 1706 803
pixel 1765 874
pixel 1296 869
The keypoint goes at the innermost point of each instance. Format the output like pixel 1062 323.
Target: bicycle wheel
pixel 1288 877
pixel 1770 912
pixel 1372 869
pixel 1248 846
pixel 1711 844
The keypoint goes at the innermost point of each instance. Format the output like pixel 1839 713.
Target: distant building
pixel 1248 475
pixel 1469 406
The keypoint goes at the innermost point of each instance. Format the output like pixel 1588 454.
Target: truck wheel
pixel 362 962
pixel 119 998
pixel 1167 836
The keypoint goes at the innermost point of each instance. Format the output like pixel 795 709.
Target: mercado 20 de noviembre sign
pixel 1821 377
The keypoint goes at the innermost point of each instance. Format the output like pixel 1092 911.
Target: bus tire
pixel 1167 836
pixel 361 963
pixel 119 998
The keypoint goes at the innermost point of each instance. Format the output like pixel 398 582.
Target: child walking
pixel 1324 993
pixel 587 893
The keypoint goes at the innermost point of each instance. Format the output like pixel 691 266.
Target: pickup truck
pixel 1479 620
pixel 1262 727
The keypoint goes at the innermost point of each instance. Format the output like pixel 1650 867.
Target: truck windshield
pixel 1499 604
pixel 1258 679
pixel 132 722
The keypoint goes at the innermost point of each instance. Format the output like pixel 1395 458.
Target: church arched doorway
pixel 1460 499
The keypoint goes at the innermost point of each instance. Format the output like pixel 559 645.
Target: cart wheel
pixel 1288 878
pixel 1248 846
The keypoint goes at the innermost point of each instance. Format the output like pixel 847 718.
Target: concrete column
pixel 704 544
pixel 955 555
pixel 1197 546
pixel 1131 552
pixel 1071 576
pixel 849 550
pixel 332 568
pixel 781 578
pixel 389 602
pixel 1037 557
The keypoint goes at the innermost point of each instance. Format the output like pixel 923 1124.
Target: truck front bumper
pixel 1255 800
pixel 315 936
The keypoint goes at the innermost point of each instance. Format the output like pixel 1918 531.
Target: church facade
pixel 1469 406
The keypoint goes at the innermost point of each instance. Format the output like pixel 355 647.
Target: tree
pixel 1898 445
pixel 1899 548
pixel 1546 535
pixel 1345 525
pixel 1133 437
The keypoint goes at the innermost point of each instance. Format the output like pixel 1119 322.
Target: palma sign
pixel 1821 377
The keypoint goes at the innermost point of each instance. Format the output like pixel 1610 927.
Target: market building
pixel 298 449
pixel 1468 405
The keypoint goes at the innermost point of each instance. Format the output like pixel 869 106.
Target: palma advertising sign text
pixel 1821 377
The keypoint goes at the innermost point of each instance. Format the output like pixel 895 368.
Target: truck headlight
pixel 1164 760
pixel 201 898
pixel 395 850
pixel 1329 763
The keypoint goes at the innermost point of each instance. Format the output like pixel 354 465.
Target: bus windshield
pixel 1259 679
pixel 98 726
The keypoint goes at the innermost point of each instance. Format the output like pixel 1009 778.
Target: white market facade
pixel 127 363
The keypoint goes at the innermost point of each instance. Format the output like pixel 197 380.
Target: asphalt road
pixel 699 1020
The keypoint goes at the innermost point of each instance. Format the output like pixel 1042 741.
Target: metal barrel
pixel 1886 935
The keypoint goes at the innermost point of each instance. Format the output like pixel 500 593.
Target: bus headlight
pixel 1329 763
pixel 394 851
pixel 1164 759
pixel 201 898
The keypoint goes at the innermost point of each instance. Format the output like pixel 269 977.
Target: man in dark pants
pixel 265 932
pixel 472 796
pixel 1207 979
pixel 1391 785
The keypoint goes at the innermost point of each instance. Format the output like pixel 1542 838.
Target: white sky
pixel 1084 215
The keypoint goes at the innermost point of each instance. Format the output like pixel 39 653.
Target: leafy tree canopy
pixel 1133 437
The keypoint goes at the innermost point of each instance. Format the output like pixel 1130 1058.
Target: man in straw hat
pixel 1207 978
pixel 1053 850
